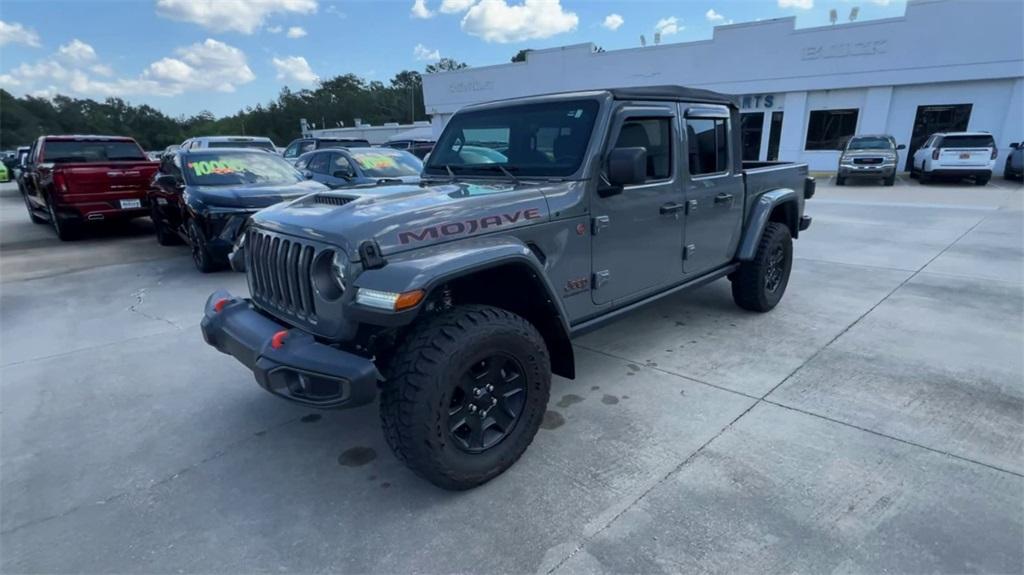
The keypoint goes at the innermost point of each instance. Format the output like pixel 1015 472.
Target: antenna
pixel 833 16
pixel 643 41
pixel 657 38
pixel 854 12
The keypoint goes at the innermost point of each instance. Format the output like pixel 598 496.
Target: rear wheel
pixel 923 176
pixel 203 259
pixel 66 229
pixel 759 284
pixel 982 180
pixel 466 394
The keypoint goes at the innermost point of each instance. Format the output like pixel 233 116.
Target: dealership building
pixel 946 65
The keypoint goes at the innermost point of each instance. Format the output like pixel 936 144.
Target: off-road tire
pixel 203 259
pixel 32 215
pixel 66 229
pixel 164 235
pixel 749 286
pixel 422 375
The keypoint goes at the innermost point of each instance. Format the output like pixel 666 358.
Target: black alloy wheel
pixel 487 402
pixel 776 268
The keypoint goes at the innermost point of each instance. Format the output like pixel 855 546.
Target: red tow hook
pixel 278 340
pixel 218 305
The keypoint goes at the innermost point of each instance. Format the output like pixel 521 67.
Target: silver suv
pixel 869 156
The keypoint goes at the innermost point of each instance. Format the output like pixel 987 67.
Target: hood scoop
pixel 332 199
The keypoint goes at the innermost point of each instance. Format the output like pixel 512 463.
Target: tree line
pixel 335 101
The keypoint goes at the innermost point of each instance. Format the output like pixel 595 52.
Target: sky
pixel 187 56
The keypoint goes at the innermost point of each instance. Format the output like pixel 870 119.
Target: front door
pixel 638 232
pixel 932 119
pixel 715 192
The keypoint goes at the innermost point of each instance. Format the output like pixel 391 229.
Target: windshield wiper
pixel 497 167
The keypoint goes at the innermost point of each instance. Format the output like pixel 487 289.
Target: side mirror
pixel 167 181
pixel 307 174
pixel 1015 146
pixel 901 147
pixel 627 166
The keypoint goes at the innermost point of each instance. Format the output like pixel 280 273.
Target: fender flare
pixel 760 213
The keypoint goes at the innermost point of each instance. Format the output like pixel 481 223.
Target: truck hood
pixel 403 217
pixel 253 197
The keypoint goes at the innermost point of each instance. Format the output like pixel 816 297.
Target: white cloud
pixel 275 29
pixel 424 54
pixel 801 4
pixel 15 33
pixel 497 21
pixel 613 21
pixel 420 10
pixel 668 26
pixel 713 16
pixel 295 69
pixel 77 51
pixel 102 70
pixel 210 65
pixel 456 6
pixel 245 16
pixel 296 32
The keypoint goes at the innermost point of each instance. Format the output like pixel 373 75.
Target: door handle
pixel 671 208
pixel 722 198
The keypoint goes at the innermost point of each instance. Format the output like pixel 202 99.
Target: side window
pixel 318 163
pixel 307 146
pixel 340 163
pixel 707 146
pixel 302 163
pixel 292 151
pixel 654 134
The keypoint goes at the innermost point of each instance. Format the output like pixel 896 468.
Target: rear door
pixel 966 151
pixel 714 193
pixel 637 233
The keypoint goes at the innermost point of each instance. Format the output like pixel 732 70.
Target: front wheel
pixel 840 181
pixel 891 180
pixel 203 259
pixel 466 394
pixel 759 284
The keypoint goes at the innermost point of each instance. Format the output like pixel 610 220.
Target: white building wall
pixel 885 68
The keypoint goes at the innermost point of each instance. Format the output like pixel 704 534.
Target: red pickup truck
pixel 69 180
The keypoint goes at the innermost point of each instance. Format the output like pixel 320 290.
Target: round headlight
pixel 328 274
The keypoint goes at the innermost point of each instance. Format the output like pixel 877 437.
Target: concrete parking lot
pixel 873 422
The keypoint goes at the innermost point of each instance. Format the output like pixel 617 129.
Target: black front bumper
pixel 301 369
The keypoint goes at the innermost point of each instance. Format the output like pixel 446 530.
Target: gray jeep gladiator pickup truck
pixel 537 220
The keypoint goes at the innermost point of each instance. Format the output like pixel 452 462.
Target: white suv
pixel 956 155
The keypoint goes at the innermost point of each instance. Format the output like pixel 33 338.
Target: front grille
pixel 867 161
pixel 332 200
pixel 279 273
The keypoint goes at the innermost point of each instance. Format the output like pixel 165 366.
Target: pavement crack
pixel 140 296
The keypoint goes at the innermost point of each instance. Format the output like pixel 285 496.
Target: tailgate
pixel 108 178
pixel 965 156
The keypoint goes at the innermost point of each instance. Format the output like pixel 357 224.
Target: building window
pixel 827 128
pixel 653 134
pixel 707 146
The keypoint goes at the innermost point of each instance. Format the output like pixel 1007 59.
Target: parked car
pixel 1014 169
pixel 69 180
pixel 204 142
pixel 869 156
pixel 956 155
pixel 5 176
pixel 204 197
pixel 458 298
pixel 418 148
pixel 303 145
pixel 344 167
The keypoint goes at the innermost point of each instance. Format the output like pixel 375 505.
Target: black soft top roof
pixel 674 93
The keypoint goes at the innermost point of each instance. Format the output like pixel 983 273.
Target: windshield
pixel 91 151
pixel 237 168
pixel 386 163
pixel 870 144
pixel 547 139
pixel 263 145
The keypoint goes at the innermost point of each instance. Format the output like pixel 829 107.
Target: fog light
pixel 391 301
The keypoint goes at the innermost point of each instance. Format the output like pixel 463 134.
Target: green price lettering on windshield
pixel 375 161
pixel 207 167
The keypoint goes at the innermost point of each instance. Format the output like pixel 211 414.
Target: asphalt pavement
pixel 873 422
